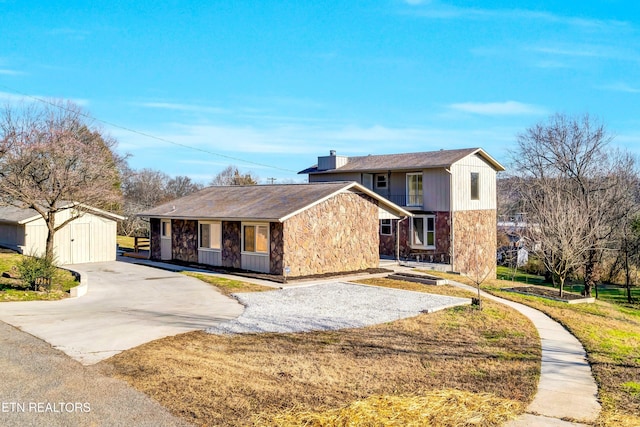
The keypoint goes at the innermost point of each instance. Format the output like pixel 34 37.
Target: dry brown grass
pixel 433 408
pixel 245 379
pixel 610 335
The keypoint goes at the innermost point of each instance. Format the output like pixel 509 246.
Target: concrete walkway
pixel 566 390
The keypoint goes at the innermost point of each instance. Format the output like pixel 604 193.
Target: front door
pixel 165 239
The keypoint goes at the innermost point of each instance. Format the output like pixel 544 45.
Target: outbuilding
pixel 90 236
pixel 293 230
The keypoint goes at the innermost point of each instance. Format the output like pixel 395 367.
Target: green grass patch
pixel 12 288
pixel 228 286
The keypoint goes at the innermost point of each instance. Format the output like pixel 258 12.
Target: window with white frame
pixel 209 234
pixel 385 227
pixel 165 228
pixel 414 189
pixel 381 181
pixel 475 186
pixel 255 238
pixel 423 231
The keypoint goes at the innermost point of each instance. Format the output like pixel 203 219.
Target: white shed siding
pixel 210 257
pixel 88 238
pixel 462 184
pixel 255 262
pixel 11 235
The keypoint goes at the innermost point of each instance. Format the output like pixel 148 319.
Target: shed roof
pixel 274 202
pixel 407 161
pixel 16 215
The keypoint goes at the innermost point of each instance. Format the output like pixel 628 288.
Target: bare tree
pixel 147 188
pixel 232 176
pixel 567 161
pixel 180 186
pixel 478 261
pixel 50 157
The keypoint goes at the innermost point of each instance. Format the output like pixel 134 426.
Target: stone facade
pixel 184 240
pixel 154 229
pixel 475 242
pixel 339 234
pixel 231 244
pixel 276 248
pixel 441 254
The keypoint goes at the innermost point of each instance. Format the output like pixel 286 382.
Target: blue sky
pixel 270 85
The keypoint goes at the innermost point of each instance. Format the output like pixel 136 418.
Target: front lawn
pixel 12 288
pixel 610 334
pixel 456 364
pixel 606 292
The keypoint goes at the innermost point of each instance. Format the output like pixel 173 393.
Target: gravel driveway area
pixel 329 306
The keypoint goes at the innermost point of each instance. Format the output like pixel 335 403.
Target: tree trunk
pixel 51 226
pixel 561 284
pixel 590 273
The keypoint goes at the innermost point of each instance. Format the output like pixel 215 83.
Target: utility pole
pixel 271 180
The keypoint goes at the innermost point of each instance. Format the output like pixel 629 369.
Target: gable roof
pixel 274 202
pixel 16 215
pixel 408 161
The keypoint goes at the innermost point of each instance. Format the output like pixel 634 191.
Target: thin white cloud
pixel 7 72
pixel 436 10
pixel 508 108
pixel 181 107
pixel 620 87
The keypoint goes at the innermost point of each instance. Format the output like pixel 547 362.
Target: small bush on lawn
pixel 36 271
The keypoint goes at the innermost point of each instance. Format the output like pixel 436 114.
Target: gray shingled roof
pixel 14 215
pixel 406 161
pixel 251 202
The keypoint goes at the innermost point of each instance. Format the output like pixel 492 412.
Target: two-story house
pixel 451 194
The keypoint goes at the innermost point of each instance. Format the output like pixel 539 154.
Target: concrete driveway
pixel 127 305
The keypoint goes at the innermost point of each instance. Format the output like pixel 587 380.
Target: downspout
pixel 398 239
pixel 452 234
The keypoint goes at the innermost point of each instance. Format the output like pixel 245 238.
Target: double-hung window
pixel 423 231
pixel 385 227
pixel 255 238
pixel 381 181
pixel 209 234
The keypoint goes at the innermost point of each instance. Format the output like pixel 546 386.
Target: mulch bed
pixel 545 292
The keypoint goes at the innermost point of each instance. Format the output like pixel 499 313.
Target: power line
pixel 137 132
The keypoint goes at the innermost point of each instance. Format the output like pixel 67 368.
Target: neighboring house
pixel 292 230
pixel 89 237
pixel 451 194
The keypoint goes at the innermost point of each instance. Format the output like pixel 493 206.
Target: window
pixel 423 231
pixel 209 235
pixel 165 228
pixel 385 227
pixel 255 238
pixel 414 189
pixel 475 186
pixel 381 181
